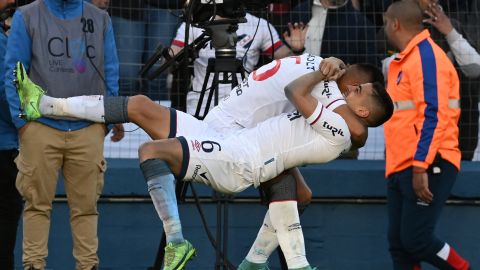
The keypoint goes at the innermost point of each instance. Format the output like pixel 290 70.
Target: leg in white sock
pixel 81 107
pixel 285 219
pixel 265 243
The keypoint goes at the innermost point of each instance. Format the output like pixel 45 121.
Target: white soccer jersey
pixel 265 40
pixel 251 156
pixel 262 95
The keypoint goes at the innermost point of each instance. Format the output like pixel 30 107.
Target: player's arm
pixel 299 92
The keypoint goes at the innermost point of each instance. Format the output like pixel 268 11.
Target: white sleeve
pixel 466 56
pixel 328 94
pixel 179 39
pixel 268 42
pixel 329 124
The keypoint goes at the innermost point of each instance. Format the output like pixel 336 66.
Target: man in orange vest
pixel 422 155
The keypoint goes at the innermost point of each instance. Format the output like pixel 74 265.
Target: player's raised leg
pixel 159 161
pixel 150 116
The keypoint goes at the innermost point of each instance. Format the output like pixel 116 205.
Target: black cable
pixel 271 36
pixel 209 233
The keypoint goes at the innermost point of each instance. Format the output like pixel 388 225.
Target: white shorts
pixel 210 158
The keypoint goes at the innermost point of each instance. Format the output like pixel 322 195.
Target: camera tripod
pixel 229 68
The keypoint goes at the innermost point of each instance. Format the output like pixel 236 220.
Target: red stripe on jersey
pixel 318 117
pixel 178 43
pixel 333 102
pixel 417 267
pixel 274 47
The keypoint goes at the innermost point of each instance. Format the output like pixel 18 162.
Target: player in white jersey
pixel 369 104
pixel 251 40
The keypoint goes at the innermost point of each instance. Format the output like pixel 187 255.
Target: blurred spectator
pixel 101 4
pixel 422 155
pixel 464 52
pixel 10 199
pixel 87 61
pixel 341 32
pixel 251 42
pixel 140 26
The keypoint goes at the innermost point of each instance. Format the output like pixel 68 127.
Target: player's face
pixel 358 95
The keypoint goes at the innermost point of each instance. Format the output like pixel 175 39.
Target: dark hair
pixel 372 72
pixel 383 105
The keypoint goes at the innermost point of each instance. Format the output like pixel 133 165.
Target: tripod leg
pixel 160 253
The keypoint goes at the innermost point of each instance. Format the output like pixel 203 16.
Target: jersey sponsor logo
pixel 326 91
pixel 195 145
pixel 310 64
pixel 294 115
pixel 195 173
pixel 333 129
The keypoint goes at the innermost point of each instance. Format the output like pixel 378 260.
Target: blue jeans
pixel 136 41
pixel 411 225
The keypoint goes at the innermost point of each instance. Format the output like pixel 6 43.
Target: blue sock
pixel 161 186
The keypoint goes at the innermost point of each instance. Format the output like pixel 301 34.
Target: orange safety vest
pixel 424 87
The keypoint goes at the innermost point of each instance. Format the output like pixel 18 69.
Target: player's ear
pixel 362 111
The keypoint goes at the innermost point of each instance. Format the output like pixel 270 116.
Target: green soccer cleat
pixel 246 265
pixel 177 255
pixel 29 94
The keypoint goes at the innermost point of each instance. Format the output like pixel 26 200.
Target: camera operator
pixel 251 41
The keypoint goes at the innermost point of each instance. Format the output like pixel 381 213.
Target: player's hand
pixel 295 36
pixel 117 133
pixel 332 68
pixel 438 19
pixel 420 186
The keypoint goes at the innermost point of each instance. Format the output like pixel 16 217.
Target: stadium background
pixel 344 228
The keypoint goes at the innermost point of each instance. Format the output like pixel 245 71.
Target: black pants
pixel 411 226
pixel 10 208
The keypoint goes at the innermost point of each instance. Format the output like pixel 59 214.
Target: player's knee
pixel 304 196
pixel 149 150
pixel 285 189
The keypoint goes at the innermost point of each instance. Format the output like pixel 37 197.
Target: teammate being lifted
pixel 279 143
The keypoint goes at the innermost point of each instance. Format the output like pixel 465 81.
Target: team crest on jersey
pixel 195 145
pixel 399 77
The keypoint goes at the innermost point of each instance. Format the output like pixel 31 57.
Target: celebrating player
pixel 263 153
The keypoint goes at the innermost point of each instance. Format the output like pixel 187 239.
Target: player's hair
pixel 370 72
pixel 382 105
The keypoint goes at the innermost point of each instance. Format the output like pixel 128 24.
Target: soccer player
pixel 371 104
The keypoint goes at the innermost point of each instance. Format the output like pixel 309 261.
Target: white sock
pixel 286 221
pixel 265 243
pixel 81 107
